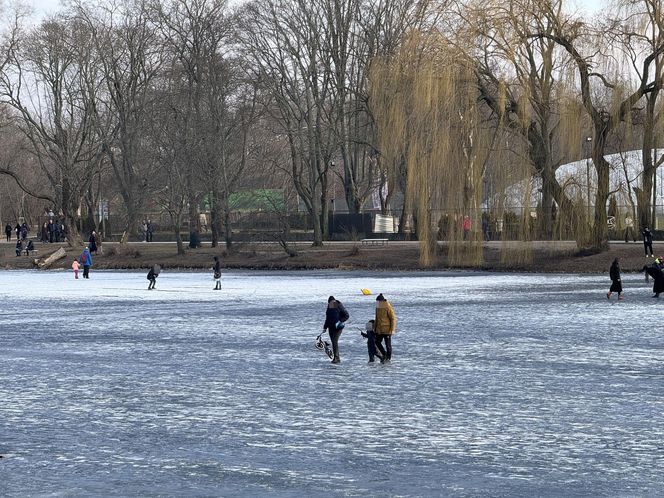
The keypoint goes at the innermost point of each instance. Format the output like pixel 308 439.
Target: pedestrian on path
pixel 647 241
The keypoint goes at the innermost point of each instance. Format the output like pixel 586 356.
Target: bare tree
pixel 44 82
pixel 128 50
pixel 282 39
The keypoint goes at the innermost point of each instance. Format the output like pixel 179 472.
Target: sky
pixel 45 6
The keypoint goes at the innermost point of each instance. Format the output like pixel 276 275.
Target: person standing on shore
pixel 8 232
pixel 385 325
pixel 616 282
pixel 86 261
pixel 335 316
pixel 93 242
pixel 647 241
pixel 466 227
pixel 217 273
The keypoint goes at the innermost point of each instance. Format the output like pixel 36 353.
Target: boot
pixel 608 295
pixel 336 360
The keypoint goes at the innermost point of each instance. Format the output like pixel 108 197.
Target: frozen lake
pixel 500 384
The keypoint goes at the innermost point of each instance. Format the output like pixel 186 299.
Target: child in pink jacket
pixel 75 266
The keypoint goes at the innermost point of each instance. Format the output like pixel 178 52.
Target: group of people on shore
pixel 148 230
pixel 378 331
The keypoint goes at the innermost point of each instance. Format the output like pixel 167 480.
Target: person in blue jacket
pixel 86 261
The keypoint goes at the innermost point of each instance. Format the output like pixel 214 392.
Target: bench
pixel 373 242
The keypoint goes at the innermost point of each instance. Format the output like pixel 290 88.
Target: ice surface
pixel 500 385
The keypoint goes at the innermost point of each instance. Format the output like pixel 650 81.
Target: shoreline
pixel 536 257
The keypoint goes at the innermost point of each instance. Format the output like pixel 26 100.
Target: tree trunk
pixel 644 195
pixel 228 229
pixel 215 218
pixel 131 225
pixel 600 231
pixel 315 218
pixel 177 228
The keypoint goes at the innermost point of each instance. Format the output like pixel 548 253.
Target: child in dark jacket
pixel 371 341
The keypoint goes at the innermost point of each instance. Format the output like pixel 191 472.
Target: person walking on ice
pixel 616 283
pixel 217 273
pixel 335 316
pixel 86 261
pixel 371 341
pixel 75 266
pixel 152 276
pixel 384 327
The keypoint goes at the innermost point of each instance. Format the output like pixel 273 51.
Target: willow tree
pixel 429 120
pixel 608 98
pixel 522 81
pixel 640 27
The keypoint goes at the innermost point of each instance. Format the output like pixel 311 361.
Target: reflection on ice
pixel 527 384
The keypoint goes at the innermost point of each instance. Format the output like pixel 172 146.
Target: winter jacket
pixel 86 258
pixel 92 243
pixel 332 316
pixel 647 236
pixel 614 272
pixel 386 319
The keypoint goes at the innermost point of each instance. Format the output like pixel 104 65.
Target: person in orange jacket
pixel 384 327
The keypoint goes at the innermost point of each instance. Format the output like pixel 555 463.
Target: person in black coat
pixel 647 241
pixel 8 232
pixel 335 316
pixel 152 276
pixel 616 282
pixel 92 242
pixel 655 271
pixel 19 246
pixel 217 273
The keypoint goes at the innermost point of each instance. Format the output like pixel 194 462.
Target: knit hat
pixel 330 299
pixel 380 297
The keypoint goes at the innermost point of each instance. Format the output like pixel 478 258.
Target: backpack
pixel 343 314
